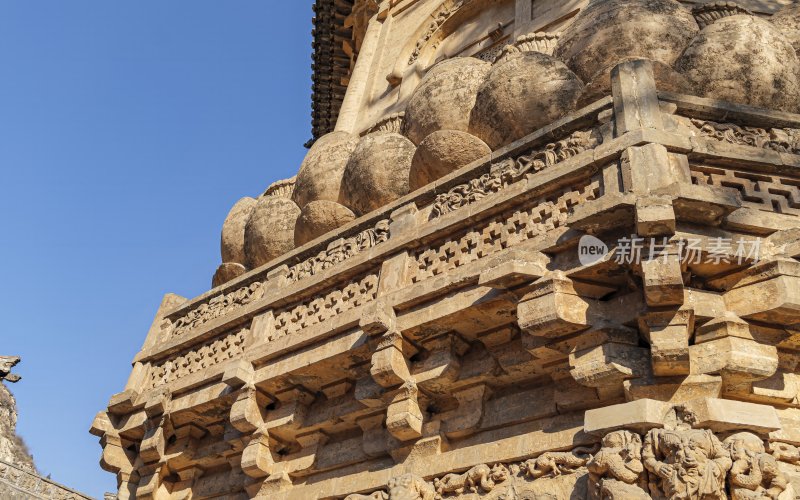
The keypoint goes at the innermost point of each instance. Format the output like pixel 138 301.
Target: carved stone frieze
pixel 783 140
pixel 761 191
pixel 325 307
pixel 510 171
pixel 339 251
pixel 549 212
pixel 198 358
pixel 445 12
pixel 216 307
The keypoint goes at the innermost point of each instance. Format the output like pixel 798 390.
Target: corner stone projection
pixel 409 317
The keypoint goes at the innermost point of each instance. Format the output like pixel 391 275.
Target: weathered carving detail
pixel 783 140
pixel 754 473
pixel 509 171
pixel 339 251
pixel 196 359
pixel 35 486
pixel 550 212
pixel 325 307
pixel 377 495
pixel 281 189
pixel 616 470
pixel 706 14
pixel 444 13
pixel 761 191
pixel 216 307
pixel 686 463
pixel 480 477
pixel 390 124
pixel 540 41
pixel 410 487
pixel 555 463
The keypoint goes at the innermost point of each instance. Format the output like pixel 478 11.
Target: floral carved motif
pixel 216 307
pixel 340 250
pixel 783 140
pixel 509 171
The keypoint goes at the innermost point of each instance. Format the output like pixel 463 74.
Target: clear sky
pixel 127 131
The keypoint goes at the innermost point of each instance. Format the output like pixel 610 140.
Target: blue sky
pixel 127 131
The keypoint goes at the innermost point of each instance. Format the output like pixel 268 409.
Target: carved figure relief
pixel 686 463
pixel 754 474
pixel 216 307
pixel 481 477
pixel 616 470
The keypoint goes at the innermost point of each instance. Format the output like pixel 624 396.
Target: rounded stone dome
pixel 743 59
pixel 445 97
pixel 269 232
pixel 788 22
pixel 522 93
pixel 442 152
pixel 667 79
pixel 377 173
pixel 609 31
pixel 317 218
pixel 227 272
pixel 232 240
pixel 320 176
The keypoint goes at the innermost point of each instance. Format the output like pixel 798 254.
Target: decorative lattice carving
pixel 198 358
pixel 325 307
pixel 770 193
pixel 547 213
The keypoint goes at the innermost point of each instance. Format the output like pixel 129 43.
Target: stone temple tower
pixel 538 249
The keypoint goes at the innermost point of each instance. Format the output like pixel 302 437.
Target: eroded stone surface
pixel 377 172
pixel 788 22
pixel 607 32
pixel 269 232
pixel 746 60
pixel 442 152
pixel 233 231
pixel 318 218
pixel 320 175
pixel 445 97
pixel 522 93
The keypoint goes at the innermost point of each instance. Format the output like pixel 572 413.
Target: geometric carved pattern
pixel 325 307
pixel 770 193
pixel 521 225
pixel 198 358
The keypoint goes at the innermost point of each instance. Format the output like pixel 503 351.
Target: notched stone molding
pixel 510 171
pixel 532 42
pixel 708 13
